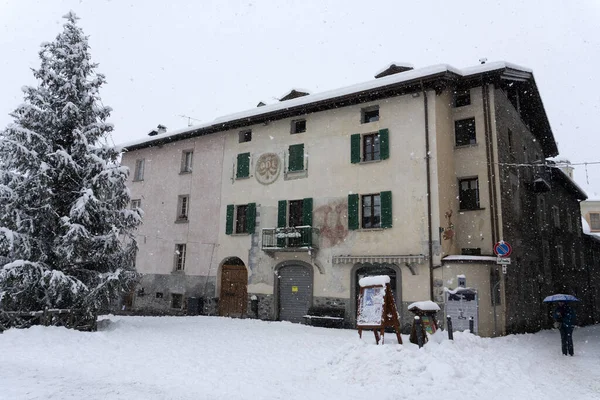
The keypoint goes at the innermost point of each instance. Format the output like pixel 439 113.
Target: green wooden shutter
pixel 386 209
pixel 296 161
pixel 243 165
pixel 355 148
pixel 251 217
pixel 281 220
pixel 384 144
pixel 352 211
pixel 229 219
pixel 307 211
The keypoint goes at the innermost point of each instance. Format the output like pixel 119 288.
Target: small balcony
pixel 293 238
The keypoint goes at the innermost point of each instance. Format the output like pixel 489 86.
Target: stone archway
pixel 370 269
pixel 233 297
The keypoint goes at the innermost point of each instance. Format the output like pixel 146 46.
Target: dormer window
pixel 369 114
pixel 245 136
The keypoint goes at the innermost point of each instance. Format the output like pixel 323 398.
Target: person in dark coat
pixel 564 316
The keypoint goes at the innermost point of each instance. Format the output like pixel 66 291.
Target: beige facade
pixel 590 211
pixel 438 190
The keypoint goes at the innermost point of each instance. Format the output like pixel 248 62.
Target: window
pixel 179 257
pixel 560 256
pixel 240 219
pixel 471 251
pixel 555 217
pixel 296 158
pixel 370 211
pixel 541 211
pixel 245 136
pixel 370 146
pixel 183 204
pixel 243 166
pixel 595 221
pixel 510 144
pixel 294 214
pixel 135 204
pixel 370 114
pixel 299 126
pixel 464 131
pixel 468 195
pixel 176 300
pixel 462 98
pixel 139 170
pixel 159 295
pixel 186 161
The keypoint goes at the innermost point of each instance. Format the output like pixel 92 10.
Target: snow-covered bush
pixel 66 233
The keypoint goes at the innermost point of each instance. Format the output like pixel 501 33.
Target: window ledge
pixel 371 229
pixel 289 175
pixel 182 221
pixel 466 146
pixel 178 272
pixel 240 234
pixel 471 209
pixel 138 180
pixel 184 172
pixel 370 162
pixel 241 178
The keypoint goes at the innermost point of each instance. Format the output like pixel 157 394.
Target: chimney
pixel 159 129
pixel 394 68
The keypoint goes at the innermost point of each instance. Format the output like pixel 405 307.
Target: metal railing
pixel 293 238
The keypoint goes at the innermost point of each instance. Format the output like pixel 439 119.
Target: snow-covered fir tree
pixel 66 233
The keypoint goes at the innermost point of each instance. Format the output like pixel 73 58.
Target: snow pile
pixel 379 280
pixel 223 358
pixel 427 305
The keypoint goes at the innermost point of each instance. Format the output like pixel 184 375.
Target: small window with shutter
pixel 242 166
pixel 296 158
pixel 370 211
pixel 369 146
pixel 240 219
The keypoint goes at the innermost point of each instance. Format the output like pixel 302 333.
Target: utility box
pixel 195 305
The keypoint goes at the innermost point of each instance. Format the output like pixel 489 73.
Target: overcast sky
pixel 206 59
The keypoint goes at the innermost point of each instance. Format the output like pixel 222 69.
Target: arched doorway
pixel 233 299
pixel 295 289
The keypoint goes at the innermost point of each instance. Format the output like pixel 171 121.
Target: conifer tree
pixel 66 233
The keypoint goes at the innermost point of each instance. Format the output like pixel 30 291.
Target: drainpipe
pixel 428 170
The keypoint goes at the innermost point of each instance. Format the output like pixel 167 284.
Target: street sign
pixel 503 260
pixel 502 249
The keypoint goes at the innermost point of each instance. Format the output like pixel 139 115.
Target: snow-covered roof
pixel 379 280
pixel 585 227
pixel 570 181
pixel 427 305
pixel 405 77
pixel 469 258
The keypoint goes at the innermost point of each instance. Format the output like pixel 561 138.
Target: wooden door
pixel 233 300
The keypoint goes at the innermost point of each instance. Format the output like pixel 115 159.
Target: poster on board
pixel 376 308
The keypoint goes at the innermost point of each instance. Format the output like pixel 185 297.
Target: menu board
pixel 371 306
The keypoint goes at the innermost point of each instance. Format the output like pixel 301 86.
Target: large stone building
pixel 416 174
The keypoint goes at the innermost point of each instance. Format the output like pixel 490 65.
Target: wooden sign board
pixel 377 310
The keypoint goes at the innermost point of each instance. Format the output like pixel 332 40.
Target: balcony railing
pixel 294 238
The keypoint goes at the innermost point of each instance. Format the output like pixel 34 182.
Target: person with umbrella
pixel 564 316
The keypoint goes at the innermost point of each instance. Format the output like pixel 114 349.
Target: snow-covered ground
pixel 221 358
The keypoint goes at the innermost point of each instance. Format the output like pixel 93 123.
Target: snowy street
pixel 222 358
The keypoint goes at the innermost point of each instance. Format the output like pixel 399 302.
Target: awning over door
pixel 409 260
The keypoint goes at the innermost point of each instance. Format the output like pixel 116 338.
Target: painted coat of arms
pixel 268 167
